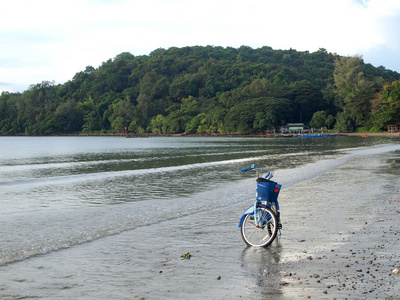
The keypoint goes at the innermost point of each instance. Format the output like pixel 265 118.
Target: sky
pixel 48 40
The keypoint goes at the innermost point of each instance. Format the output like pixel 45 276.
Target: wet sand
pixel 337 242
pixel 360 268
pixel 359 260
pixel 344 248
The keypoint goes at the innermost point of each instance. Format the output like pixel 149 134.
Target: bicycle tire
pixel 260 236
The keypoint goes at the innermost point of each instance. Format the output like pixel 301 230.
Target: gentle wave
pixel 108 174
pixel 17 166
pixel 114 174
pixel 122 173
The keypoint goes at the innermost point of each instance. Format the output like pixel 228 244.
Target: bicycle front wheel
pixel 262 234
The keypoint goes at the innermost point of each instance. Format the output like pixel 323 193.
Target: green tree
pixel 318 119
pixel 255 114
pixel 307 99
pixel 321 120
pixel 387 107
pixel 157 124
pixel 91 117
pixel 70 120
pixel 343 123
pixel 263 121
pixel 174 123
pixel 123 115
pixel 329 121
pixel 198 124
pixel 354 91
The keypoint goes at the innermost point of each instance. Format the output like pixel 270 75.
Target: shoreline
pixel 145 135
pixel 371 134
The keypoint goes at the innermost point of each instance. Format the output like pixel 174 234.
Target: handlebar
pixel 246 169
pixel 269 175
pixel 251 168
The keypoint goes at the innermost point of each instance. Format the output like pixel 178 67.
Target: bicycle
pixel 259 224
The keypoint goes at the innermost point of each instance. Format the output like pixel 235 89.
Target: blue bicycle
pixel 259 224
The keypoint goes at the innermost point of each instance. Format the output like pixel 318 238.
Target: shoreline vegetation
pixel 210 89
pixel 145 135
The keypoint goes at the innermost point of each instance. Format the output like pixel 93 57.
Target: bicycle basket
pixel 268 191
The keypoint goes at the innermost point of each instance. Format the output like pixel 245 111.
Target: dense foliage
pixel 208 90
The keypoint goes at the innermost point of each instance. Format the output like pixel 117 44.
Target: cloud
pixel 52 40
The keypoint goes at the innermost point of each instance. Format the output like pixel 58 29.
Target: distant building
pixel 295 128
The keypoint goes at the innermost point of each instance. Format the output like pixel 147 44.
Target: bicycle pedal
pixel 280 226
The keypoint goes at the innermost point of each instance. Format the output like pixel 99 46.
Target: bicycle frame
pixel 250 211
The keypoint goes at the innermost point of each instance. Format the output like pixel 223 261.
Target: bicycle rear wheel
pixel 260 236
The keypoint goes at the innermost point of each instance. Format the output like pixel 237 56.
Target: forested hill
pixel 208 90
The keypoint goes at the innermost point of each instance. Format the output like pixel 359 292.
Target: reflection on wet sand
pixel 262 265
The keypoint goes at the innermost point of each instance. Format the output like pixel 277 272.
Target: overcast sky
pixel 46 40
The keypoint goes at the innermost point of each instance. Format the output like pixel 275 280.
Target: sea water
pixel 62 196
